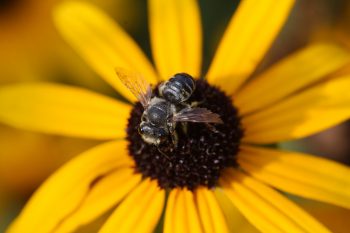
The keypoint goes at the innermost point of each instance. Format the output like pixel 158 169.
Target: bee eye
pixel 141 130
pixel 144 128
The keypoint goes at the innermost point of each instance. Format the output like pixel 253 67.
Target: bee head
pixel 151 134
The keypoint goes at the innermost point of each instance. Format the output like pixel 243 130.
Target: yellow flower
pixel 290 100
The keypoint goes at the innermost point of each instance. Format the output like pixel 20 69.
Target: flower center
pixel 203 150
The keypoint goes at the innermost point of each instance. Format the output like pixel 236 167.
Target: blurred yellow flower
pixel 31 50
pixel 335 217
pixel 290 100
pixel 32 157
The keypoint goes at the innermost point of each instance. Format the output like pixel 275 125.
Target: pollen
pixel 203 150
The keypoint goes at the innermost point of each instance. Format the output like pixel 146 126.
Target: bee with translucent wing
pixel 197 115
pixel 138 86
pixel 158 121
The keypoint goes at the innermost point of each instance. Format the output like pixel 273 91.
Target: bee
pixel 177 89
pixel 161 114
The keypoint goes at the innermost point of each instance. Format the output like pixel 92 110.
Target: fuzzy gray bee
pixel 177 89
pixel 161 113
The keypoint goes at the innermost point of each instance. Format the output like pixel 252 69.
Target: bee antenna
pixel 166 156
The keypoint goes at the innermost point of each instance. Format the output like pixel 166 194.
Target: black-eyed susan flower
pixel 290 100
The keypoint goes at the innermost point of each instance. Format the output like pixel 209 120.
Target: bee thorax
pixel 158 113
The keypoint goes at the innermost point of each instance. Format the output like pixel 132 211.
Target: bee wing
pixel 138 86
pixel 197 115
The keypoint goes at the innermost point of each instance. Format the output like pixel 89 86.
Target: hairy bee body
pixel 157 112
pixel 158 121
pixel 156 124
pixel 178 88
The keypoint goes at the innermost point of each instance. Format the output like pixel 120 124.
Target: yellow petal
pixel 300 174
pixel 139 212
pixel 268 210
pixel 181 213
pixel 105 194
pixel 210 213
pixel 63 110
pixel 235 220
pixel 187 212
pixel 102 43
pixel 250 211
pixel 169 219
pixel 334 217
pixel 290 75
pixel 176 36
pixel 249 35
pixel 63 192
pixel 309 112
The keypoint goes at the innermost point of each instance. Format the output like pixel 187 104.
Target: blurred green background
pixel 31 50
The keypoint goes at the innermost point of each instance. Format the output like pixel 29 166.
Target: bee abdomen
pixel 179 88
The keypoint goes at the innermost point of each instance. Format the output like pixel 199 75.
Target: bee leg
pixel 174 138
pixel 211 128
pixel 140 149
pixel 196 103
pixel 172 132
pixel 191 105
pixel 183 105
pixel 184 127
